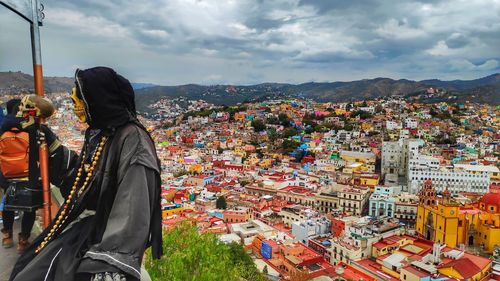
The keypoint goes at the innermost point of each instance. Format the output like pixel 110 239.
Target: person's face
pixel 78 106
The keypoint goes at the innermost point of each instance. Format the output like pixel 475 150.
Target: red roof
pixel 463 266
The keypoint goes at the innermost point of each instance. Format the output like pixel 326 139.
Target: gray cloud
pixel 247 41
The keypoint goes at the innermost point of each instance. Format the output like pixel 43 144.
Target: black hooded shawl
pixel 119 216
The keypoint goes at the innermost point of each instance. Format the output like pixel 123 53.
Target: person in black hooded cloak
pixel 112 211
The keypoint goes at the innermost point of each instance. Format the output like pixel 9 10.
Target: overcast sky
pixel 173 42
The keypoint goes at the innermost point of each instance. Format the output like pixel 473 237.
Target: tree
pixel 221 203
pixel 258 125
pixel 289 145
pixel 272 134
pixel 348 127
pixel 289 132
pixel 189 255
pixel 285 121
pixel 362 114
pixel 180 173
pixel 272 120
pixel 308 121
pixel 265 270
pixel 320 128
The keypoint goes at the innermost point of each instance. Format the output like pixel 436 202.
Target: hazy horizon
pixel 270 82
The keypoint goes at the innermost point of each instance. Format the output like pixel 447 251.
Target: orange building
pixel 293 259
pixel 236 216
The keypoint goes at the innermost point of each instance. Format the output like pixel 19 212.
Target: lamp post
pixel 31 10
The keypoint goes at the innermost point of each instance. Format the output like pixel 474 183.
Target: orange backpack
pixel 14 154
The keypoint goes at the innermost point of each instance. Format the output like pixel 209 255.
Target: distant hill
pixel 491 80
pixel 18 82
pixel 485 90
pixel 138 86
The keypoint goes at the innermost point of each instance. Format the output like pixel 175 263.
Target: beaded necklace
pixel 63 216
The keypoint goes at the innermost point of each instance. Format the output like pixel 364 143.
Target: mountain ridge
pixel 485 89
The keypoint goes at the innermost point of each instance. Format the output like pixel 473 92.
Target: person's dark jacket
pixel 124 192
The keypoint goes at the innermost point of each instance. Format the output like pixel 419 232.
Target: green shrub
pixel 189 255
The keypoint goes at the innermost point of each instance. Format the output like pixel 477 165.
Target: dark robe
pixel 119 215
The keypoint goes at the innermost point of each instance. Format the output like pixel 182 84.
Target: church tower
pixel 427 195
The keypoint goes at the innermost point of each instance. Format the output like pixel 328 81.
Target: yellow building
pixel 266 163
pixel 446 221
pixel 353 158
pixel 367 127
pixel 195 168
pixel 172 209
pixel 340 111
pixel 364 179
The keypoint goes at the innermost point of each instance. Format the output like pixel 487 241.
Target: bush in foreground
pixel 189 255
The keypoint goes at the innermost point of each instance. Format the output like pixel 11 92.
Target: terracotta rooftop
pixel 463 266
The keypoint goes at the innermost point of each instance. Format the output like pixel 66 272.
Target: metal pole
pixel 39 91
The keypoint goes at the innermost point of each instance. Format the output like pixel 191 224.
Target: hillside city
pixel 387 189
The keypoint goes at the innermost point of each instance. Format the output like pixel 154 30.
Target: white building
pixel 391 158
pixel 303 230
pixel 395 155
pixel 411 123
pixel 393 125
pixel 457 178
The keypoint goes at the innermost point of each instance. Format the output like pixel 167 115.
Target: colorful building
pixel 446 221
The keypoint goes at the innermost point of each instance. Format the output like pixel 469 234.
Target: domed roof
pixel 491 198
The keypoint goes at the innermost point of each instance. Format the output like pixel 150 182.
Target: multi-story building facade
pixel 456 178
pixel 327 202
pixel 295 214
pixel 383 201
pixel 406 208
pixel 353 200
pixel 304 230
pixel 359 238
pixel 396 155
pixel 391 158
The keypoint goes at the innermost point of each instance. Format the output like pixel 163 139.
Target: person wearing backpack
pixel 12 125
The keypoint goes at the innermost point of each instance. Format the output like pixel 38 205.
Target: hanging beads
pixel 63 216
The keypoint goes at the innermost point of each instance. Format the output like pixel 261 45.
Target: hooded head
pixel 13 106
pixel 108 97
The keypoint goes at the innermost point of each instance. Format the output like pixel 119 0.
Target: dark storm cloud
pixel 247 41
pixel 457 40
